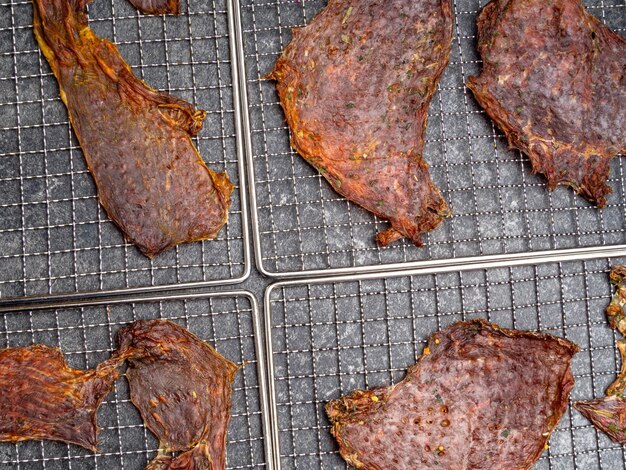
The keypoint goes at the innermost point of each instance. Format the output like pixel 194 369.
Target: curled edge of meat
pixel 157 7
pixel 354 406
pixel 82 390
pixel 607 414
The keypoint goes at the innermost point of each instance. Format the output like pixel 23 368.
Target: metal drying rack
pixel 345 314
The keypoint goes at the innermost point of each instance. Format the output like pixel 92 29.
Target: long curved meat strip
pixel 157 7
pixel 42 398
pixel 607 414
pixel 480 396
pixel 553 80
pixel 355 85
pixel 137 141
pixel 182 388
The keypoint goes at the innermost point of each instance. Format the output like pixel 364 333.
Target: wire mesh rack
pixel 228 321
pixel 303 228
pixel 330 336
pixel 54 237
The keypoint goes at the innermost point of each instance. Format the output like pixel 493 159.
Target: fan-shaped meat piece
pixel 480 396
pixel 607 414
pixel 137 141
pixel 42 398
pixel 553 80
pixel 355 85
pixel 182 388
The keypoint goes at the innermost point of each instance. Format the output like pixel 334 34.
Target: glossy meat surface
pixel 157 7
pixel 607 414
pixel 137 141
pixel 182 388
pixel 480 396
pixel 42 398
pixel 553 80
pixel 355 85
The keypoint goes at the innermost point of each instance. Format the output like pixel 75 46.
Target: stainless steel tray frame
pixel 15 336
pixel 309 317
pixel 241 268
pixel 462 58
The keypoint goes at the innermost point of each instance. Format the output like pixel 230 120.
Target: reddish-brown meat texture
pixel 607 414
pixel 619 385
pixel 480 396
pixel 42 398
pixel 157 7
pixel 137 141
pixel 553 80
pixel 182 388
pixel 615 310
pixel 355 86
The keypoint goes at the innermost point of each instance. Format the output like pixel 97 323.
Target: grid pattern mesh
pixel 499 207
pixel 331 338
pixel 54 237
pixel 85 335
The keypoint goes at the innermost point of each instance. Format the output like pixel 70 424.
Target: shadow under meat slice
pixel 42 398
pixel 355 85
pixel 607 414
pixel 553 80
pixel 157 7
pixel 182 388
pixel 137 141
pixel 480 396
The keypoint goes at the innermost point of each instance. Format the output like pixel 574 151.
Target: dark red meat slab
pixel 480 396
pixel 182 388
pixel 553 80
pixel 42 398
pixel 137 141
pixel 355 86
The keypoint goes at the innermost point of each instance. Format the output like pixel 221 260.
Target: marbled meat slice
pixel 42 398
pixel 480 396
pixel 553 80
pixel 182 388
pixel 355 86
pixel 137 141
pixel 157 7
pixel 607 414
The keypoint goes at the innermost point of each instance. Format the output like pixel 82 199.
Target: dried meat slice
pixel 182 388
pixel 137 141
pixel 355 86
pixel 43 398
pixel 607 414
pixel 480 396
pixel 553 80
pixel 619 384
pixel 615 310
pixel 157 7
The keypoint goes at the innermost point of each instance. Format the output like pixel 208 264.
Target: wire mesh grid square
pixel 329 339
pixel 85 335
pixel 499 207
pixel 54 237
